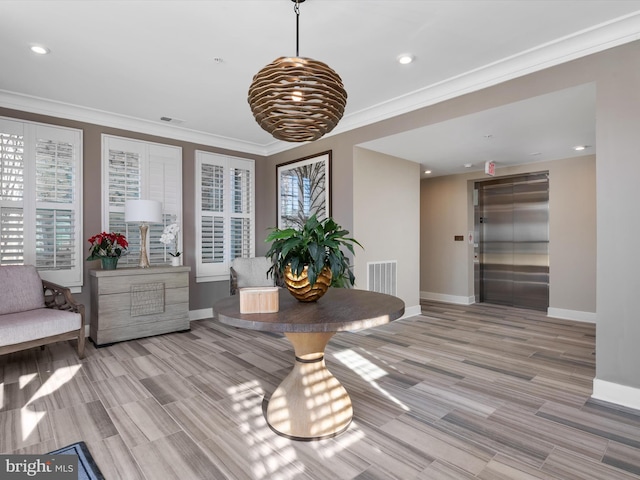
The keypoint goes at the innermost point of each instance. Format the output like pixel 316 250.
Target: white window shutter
pixel 225 227
pixel 11 236
pixel 41 199
pixel 165 186
pixel 56 248
pixel 122 173
pixel 58 214
pixel 241 223
pixel 11 193
pixel 136 169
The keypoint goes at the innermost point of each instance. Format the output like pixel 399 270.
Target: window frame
pixel 153 157
pixel 213 272
pixel 32 133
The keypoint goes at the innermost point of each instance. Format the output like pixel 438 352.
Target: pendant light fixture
pixel 297 99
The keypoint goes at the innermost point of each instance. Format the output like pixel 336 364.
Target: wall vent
pixel 382 277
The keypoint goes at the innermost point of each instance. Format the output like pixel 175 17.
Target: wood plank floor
pixel 460 392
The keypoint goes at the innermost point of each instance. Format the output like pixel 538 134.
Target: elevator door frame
pixel 519 274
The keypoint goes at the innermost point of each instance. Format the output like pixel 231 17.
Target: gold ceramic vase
pixel 300 287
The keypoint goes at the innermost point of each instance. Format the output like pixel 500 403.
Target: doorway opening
pixel 511 216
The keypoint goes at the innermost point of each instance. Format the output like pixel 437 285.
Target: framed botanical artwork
pixel 304 189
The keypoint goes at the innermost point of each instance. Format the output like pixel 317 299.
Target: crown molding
pixel 580 44
pixel 43 106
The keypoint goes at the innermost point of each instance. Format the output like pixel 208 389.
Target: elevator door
pixel 513 226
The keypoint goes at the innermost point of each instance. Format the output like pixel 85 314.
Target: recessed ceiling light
pixel 579 148
pixel 427 172
pixel 405 58
pixel 39 49
pixel 468 165
pixel 535 154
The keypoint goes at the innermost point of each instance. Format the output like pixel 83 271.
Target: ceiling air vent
pixel 175 121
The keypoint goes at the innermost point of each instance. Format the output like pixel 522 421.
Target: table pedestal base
pixel 310 403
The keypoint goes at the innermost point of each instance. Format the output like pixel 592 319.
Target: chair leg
pixel 81 341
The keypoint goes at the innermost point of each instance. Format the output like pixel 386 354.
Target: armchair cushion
pixel 22 289
pixel 35 324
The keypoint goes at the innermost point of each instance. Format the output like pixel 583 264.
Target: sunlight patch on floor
pixel 270 455
pixel 30 419
pixel 368 371
pixel 59 377
pixel 363 367
pixel 24 380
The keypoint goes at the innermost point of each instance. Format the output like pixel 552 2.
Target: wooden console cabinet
pixel 129 303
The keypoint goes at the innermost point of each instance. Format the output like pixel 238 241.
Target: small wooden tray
pixel 259 300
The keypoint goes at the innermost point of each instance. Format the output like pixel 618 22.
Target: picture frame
pixel 303 189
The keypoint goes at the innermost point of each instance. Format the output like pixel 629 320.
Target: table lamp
pixel 143 212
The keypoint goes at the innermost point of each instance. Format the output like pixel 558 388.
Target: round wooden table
pixel 310 403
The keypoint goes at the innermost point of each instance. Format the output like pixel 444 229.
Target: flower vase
pixel 175 261
pixel 109 263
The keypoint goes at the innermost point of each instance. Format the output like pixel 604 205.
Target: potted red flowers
pixel 107 247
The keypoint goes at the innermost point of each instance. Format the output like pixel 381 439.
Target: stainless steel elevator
pixel 512 248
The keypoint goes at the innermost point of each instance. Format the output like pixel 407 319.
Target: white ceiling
pixel 539 129
pixel 128 63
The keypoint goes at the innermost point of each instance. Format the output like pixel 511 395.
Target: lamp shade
pixel 143 211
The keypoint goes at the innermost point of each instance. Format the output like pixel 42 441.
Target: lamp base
pixel 144 259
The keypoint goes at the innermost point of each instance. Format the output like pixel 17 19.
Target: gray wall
pixel 386 218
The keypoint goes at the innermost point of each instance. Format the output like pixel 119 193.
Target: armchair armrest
pixel 60 298
pixel 233 281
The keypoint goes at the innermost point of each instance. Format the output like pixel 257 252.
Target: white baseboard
pixel 616 393
pixel 412 311
pixel 200 314
pixel 577 315
pixel 441 297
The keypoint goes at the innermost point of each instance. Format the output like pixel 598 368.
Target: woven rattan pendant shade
pixel 297 99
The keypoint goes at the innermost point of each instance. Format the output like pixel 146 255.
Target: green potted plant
pixel 310 257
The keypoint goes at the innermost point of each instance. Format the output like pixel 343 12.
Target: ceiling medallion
pixel 297 99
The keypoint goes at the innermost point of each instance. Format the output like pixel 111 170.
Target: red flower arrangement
pixel 107 245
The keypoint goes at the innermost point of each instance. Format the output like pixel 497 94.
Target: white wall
pixel 618 175
pixel 386 219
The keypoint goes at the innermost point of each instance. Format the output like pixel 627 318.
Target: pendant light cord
pixel 296 9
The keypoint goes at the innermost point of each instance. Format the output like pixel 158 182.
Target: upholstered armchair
pixel 35 312
pixel 249 272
